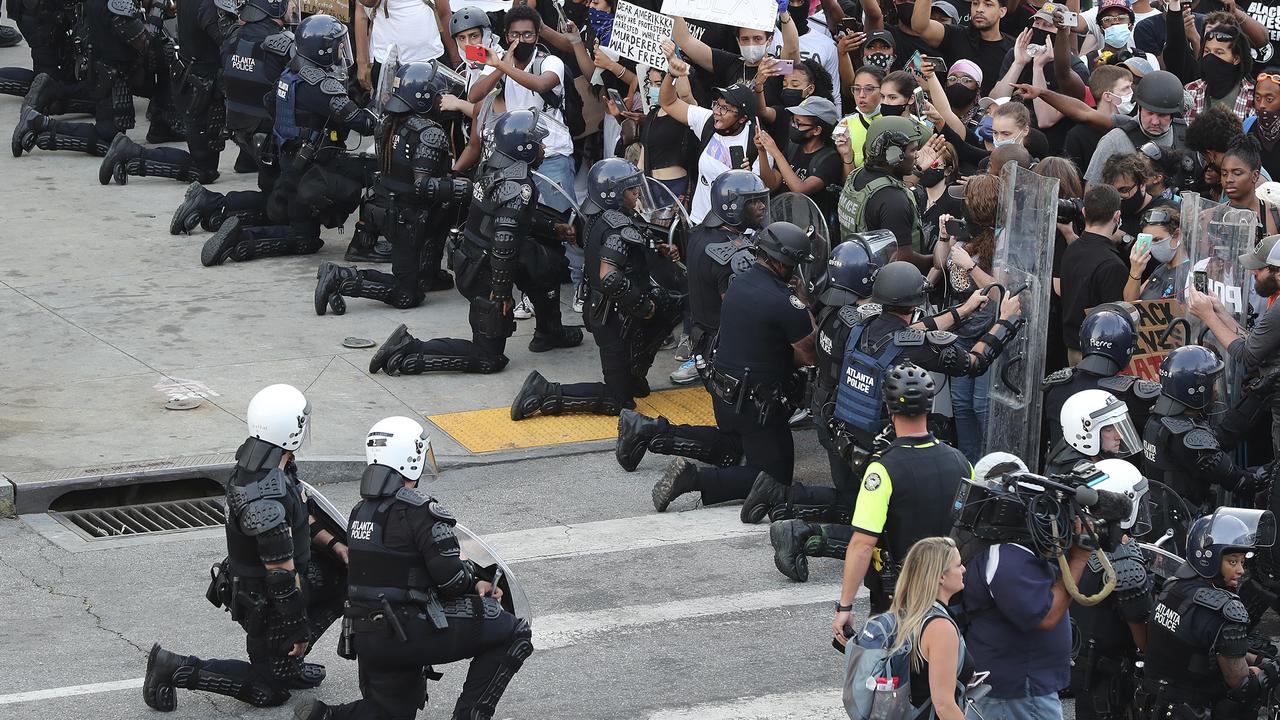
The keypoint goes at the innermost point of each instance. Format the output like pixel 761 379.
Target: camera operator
pixel 1113 632
pixel 1017 602
pixel 1169 276
pixel 1095 426
pixel 1197 659
pixel 1092 271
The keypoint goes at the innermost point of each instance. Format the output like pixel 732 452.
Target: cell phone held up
pixel 617 99
pixel 476 53
pixel 1200 281
pixel 737 156
pixel 850 24
pixel 1143 243
pixel 784 67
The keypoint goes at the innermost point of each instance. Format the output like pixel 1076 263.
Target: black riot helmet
pixel 466 19
pixel 414 90
pixel 908 389
pixel 785 243
pixel 1228 530
pixel 1187 378
pixel 1106 341
pixel 849 272
pixel 609 178
pixel 899 285
pixel 518 135
pixel 740 199
pixel 321 40
pixel 1160 92
pixel 255 10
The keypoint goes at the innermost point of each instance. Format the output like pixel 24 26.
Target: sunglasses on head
pixel 1158 216
pixel 1222 33
pixel 1273 77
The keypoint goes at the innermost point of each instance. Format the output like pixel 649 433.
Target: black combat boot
pixel 529 401
pixel 788 538
pixel 115 164
pixel 30 124
pixel 394 343
pixel 566 337
pixel 218 247
pixel 191 212
pixel 634 431
pixel 41 94
pixel 311 709
pixel 157 686
pixel 766 493
pixel 9 36
pixel 364 246
pixel 681 477
pixel 331 281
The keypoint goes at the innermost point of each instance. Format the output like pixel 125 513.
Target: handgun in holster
pixel 431 607
pixel 487 318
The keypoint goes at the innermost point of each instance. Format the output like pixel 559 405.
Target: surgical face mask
pixel 653 96
pixel 1117 36
pixel 880 60
pixel 1124 103
pixel 752 53
pixel 1011 141
pixel 874 111
pixel 1163 251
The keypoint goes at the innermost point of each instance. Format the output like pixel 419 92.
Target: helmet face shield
pixel 755 210
pixel 342 57
pixel 1118 436
pixel 1241 529
pixel 636 196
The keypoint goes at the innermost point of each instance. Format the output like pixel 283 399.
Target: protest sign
pixel 1154 317
pixel 754 14
pixel 638 34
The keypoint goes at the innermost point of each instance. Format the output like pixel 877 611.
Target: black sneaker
pixel 218 247
pixel 633 441
pixel 190 212
pixel 529 400
pixel 157 687
pixel 567 337
pixel 788 538
pixel 681 477
pixel 764 495
pixel 389 347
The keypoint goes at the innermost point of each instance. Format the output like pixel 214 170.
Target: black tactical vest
pixel 250 72
pixel 258 479
pixel 398 149
pixel 496 188
pixel 376 570
pixel 1173 655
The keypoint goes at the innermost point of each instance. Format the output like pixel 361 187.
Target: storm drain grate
pixel 146 519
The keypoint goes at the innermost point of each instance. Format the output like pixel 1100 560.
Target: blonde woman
pixel 931 574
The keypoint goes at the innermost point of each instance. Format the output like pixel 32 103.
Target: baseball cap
pixel 1106 5
pixel 1266 253
pixel 1139 66
pixel 967 67
pixel 1046 12
pixel 883 36
pixel 739 96
pixel 947 8
pixel 817 107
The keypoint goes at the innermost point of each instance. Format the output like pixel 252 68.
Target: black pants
pixel 392 684
pixel 767 448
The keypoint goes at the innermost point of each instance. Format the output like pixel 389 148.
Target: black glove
pixel 1270 675
pixel 286 612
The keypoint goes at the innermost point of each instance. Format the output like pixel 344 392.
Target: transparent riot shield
pixel 669 216
pixel 1170 518
pixel 386 82
pixel 1023 264
pixel 1216 236
pixel 1160 561
pixel 480 553
pixel 802 211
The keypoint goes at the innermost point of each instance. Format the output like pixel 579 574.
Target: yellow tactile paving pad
pixel 481 431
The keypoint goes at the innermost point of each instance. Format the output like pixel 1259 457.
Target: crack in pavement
pixel 83 600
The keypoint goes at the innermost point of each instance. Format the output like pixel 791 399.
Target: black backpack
pixel 567 100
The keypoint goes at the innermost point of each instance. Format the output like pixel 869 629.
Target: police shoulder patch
pixel 1060 377
pixel 941 338
pixel 871 482
pixel 1177 425
pixel 331 86
pixel 279 44
pixel 412 496
pixel 312 75
pixel 1200 439
pixel 796 302
pixel 122 7
pixel 910 337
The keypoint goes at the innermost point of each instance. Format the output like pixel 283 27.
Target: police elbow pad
pixel 617 286
pixel 452 576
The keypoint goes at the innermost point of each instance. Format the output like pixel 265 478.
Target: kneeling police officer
pixel 414 600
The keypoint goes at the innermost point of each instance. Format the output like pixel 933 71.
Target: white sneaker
pixel 687 373
pixel 684 349
pixel 579 298
pixel 523 309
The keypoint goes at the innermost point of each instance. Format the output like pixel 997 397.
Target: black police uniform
pixel 1102 675
pixel 47 26
pixel 753 380
pixel 413 159
pixel 1193 624
pixel 1183 452
pixel 320 183
pixel 1137 394
pixel 413 605
pixel 267 522
pixel 714 256
pixel 116 31
pixel 499 249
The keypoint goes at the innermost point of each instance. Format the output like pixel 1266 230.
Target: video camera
pixel 1070 209
pixel 1184 169
pixel 1039 512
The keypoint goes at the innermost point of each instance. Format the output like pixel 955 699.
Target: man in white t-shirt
pixel 411 26
pixel 727 130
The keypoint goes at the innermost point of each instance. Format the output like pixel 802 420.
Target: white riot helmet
pixel 401 444
pixel 280 415
pixel 1125 479
pixel 1086 414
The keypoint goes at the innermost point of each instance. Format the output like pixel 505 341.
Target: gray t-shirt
pixel 1116 142
pixel 1167 282
pixel 1259 350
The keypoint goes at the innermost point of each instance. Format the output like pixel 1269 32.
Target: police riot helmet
pixel 1228 530
pixel 518 135
pixel 414 90
pixel 739 198
pixel 322 41
pixel 466 19
pixel 1084 417
pixel 908 389
pixel 849 272
pixel 899 284
pixel 401 444
pixel 1187 376
pixel 279 415
pixel 1160 92
pixel 785 243
pixel 255 10
pixel 230 7
pixel 609 178
pixel 1122 478
pixel 1106 340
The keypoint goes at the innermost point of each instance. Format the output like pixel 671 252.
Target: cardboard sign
pixel 754 14
pixel 638 34
pixel 1154 317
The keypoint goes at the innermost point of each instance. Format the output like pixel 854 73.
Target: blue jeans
pixel 559 168
pixel 969 402
pixel 1031 707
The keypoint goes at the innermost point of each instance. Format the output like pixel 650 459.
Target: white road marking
pixel 817 705
pixel 70 691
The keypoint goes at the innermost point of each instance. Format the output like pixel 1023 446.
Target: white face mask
pixel 1124 103
pixel 752 53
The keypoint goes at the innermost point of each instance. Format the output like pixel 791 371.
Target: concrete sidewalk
pixel 104 316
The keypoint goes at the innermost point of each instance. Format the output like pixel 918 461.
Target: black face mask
pixel 576 12
pixel 1038 36
pixel 931 177
pixel 892 110
pixel 790 97
pixel 1219 75
pixel 1130 207
pixel 800 16
pixel 798 136
pixel 524 51
pixel 960 96
pixel 904 12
